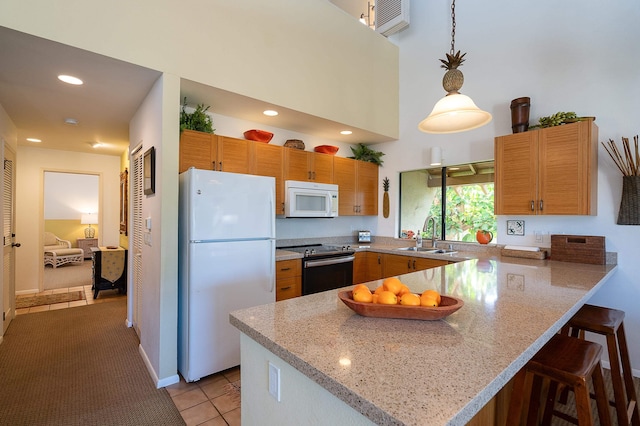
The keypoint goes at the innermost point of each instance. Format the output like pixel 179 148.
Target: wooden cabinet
pixel 358 185
pixel 394 264
pixel 307 166
pixel 288 279
pixel 550 171
pixel 85 244
pixel 367 267
pixel 212 152
pixel 109 270
pixel 269 161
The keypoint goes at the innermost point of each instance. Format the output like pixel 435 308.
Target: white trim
pixel 159 383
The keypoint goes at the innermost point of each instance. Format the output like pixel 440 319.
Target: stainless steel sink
pixel 427 250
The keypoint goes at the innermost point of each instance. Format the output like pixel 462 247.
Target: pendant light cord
pixel 453 27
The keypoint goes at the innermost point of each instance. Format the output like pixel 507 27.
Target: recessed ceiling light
pixel 71 121
pixel 346 132
pixel 34 140
pixel 95 144
pixel 270 113
pixel 70 79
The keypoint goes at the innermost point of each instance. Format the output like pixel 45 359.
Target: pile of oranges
pixel 394 292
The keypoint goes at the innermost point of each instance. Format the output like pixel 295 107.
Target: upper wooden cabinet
pixel 552 171
pixel 268 161
pixel 307 166
pixel 208 151
pixel 358 185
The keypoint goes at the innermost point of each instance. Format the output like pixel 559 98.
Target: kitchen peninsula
pixel 336 367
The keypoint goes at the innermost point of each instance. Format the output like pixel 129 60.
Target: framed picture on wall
pixel 149 171
pixel 124 201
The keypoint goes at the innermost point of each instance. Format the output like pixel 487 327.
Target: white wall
pixel 566 56
pixel 31 164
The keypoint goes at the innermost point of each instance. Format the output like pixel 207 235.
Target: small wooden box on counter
pixel 578 248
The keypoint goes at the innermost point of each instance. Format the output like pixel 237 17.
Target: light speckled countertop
pixel 411 372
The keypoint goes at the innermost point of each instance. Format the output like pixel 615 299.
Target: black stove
pixel 320 251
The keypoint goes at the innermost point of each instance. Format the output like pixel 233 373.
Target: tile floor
pixel 211 401
pixel 103 296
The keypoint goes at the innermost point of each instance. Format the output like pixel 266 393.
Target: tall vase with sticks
pixel 629 165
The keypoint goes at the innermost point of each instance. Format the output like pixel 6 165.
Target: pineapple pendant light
pixel 455 112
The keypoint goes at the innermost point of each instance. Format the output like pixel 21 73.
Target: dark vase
pixel 520 114
pixel 629 213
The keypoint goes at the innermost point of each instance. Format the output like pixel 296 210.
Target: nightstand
pixel 86 244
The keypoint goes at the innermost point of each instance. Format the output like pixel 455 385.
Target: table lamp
pixel 89 219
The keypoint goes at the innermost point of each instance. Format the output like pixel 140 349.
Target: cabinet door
pixel 269 162
pixel 321 167
pixel 344 175
pixel 367 198
pixel 516 162
pixel 393 264
pixel 296 165
pixel 197 149
pixel 565 170
pixel 233 155
pixel 422 263
pixel 367 267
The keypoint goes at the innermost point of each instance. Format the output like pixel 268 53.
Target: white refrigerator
pixel 227 262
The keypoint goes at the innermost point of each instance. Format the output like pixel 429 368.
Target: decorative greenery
pixel 554 120
pixel 364 153
pixel 197 120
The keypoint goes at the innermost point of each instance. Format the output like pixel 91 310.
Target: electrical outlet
pixel 538 235
pixel 274 381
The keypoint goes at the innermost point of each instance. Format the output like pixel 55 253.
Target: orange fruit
pixel 362 294
pixel 404 290
pixel 378 290
pixel 432 293
pixel 387 298
pixel 359 286
pixel 410 299
pixel 375 298
pixel 428 301
pixel 392 284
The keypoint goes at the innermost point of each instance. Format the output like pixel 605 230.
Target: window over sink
pixel 467 202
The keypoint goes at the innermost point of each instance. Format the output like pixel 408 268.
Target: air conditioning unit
pixel 391 16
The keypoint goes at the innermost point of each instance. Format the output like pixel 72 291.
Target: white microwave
pixel 310 199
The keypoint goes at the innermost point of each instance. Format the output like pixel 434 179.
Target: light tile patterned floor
pixel 211 401
pixel 103 296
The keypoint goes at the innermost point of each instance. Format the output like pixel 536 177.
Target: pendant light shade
pixel 454 113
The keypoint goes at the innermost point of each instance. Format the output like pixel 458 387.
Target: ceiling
pixel 38 103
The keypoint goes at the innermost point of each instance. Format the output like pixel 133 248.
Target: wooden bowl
pixel 448 305
pixel 326 149
pixel 258 135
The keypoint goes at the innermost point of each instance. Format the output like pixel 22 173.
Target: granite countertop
pixel 408 371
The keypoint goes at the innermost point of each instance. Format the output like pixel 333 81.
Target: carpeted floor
pixel 78 366
pixel 69 275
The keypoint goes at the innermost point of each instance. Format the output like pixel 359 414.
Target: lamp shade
pixel 89 219
pixel 454 113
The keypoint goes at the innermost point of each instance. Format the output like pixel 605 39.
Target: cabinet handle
pixel 213 165
pixel 285 288
pixel 220 166
pixel 285 269
pixel 309 175
pixel 414 264
pixel 378 260
pixel 541 205
pixel 409 264
pixel 314 175
pixel 532 205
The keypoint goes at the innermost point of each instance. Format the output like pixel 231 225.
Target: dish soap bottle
pixel 419 239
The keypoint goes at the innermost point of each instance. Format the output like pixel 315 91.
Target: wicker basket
pixel 294 143
pixel 629 213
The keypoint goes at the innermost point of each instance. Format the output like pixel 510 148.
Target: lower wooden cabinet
pixel 394 264
pixel 288 279
pixel 367 267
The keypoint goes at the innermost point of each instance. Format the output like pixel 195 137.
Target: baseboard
pixel 160 383
pixel 27 291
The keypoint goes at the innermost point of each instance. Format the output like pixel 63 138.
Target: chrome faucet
pixel 433 234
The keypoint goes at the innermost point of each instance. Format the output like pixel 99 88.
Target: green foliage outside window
pixel 469 208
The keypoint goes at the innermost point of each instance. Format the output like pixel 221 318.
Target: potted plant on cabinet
pixel 197 120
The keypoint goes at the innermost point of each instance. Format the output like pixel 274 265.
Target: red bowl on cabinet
pixel 258 135
pixel 326 149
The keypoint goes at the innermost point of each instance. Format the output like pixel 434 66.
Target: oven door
pixel 327 274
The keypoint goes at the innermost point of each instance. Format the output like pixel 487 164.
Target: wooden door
pixel 197 149
pixel 268 161
pixel 393 264
pixel 9 244
pixel 564 170
pixel 516 163
pixel 321 167
pixel 136 239
pixel 344 175
pixel 367 192
pixel 367 267
pixel 296 165
pixel 233 155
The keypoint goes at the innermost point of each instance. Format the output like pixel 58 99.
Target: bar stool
pixel 609 322
pixel 564 360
